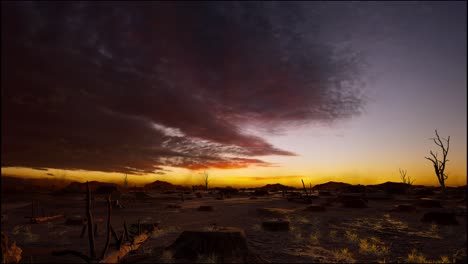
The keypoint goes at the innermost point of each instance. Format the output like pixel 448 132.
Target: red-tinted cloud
pixel 100 87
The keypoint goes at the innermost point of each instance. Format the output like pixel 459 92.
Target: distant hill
pixel 80 187
pixel 392 187
pixel 12 184
pixel 160 185
pixel 164 186
pixel 276 187
pixel 332 186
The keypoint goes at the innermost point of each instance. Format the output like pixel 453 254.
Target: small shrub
pixel 298 236
pixel 343 255
pixel 333 234
pixel 314 238
pixel 353 237
pixel 302 220
pixel 373 246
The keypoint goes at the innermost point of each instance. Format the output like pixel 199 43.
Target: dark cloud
pixel 130 87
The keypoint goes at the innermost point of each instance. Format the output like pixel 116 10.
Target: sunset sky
pixel 251 92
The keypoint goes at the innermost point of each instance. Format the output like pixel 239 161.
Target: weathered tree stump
pixel 116 256
pixel 440 218
pixel 226 245
pixel 277 225
pixel 315 208
pixel 205 208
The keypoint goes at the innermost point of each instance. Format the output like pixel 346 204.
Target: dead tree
pixel 122 248
pixel 439 164
pixel 305 190
pixel 406 180
pixel 89 215
pixel 205 179
pixel 108 235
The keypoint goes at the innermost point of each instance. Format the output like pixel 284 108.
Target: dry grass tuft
pixel 373 246
pixel 343 255
pixel 416 257
pixel 352 236
pixel 314 238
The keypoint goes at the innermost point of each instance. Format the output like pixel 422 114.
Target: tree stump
pixel 225 245
pixel 278 225
pixel 125 249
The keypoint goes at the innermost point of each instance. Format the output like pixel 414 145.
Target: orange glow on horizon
pixel 237 177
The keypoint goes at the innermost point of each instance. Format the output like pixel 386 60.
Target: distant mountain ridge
pixel 276 187
pixel 80 187
pixel 331 186
pixel 164 186
pixel 18 184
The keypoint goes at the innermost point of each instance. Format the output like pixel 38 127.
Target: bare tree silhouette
pixel 439 165
pixel 406 180
pixel 125 181
pixel 205 179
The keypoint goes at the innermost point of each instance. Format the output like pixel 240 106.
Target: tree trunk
pixel 116 256
pixel 45 219
pixel 109 210
pixel 89 215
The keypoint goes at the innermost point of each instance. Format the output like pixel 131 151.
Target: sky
pixel 252 93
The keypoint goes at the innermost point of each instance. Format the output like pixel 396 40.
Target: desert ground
pixel 376 233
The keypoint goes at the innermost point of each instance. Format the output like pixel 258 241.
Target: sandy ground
pixel 372 234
